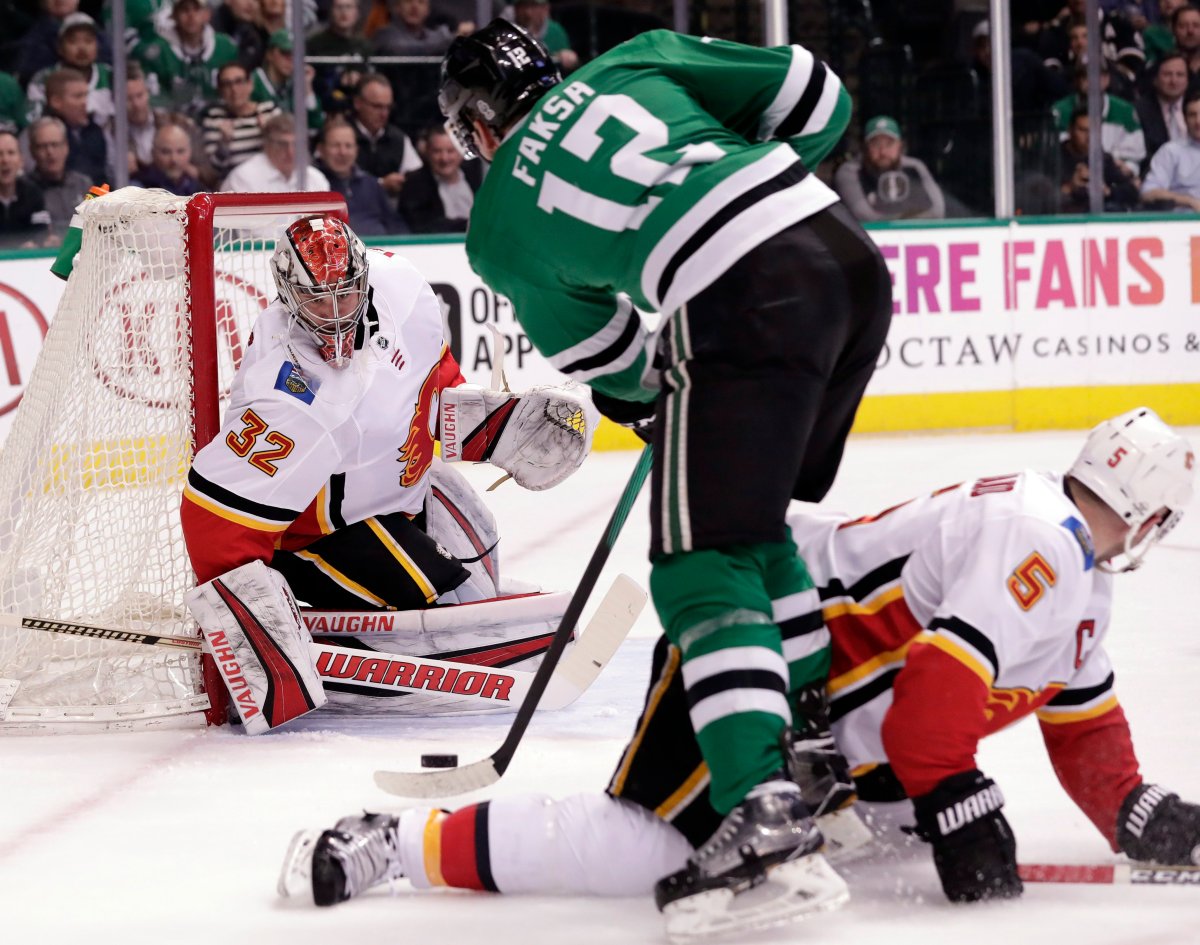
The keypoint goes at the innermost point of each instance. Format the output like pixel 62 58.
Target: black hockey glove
pixel 638 417
pixel 973 846
pixel 1156 827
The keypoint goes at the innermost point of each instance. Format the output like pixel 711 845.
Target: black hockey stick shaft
pixel 591 574
pixel 99 633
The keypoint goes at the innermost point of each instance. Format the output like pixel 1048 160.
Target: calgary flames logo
pixel 1017 702
pixel 417 451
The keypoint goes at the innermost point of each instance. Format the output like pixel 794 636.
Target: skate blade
pixel 845 834
pixel 789 892
pixel 295 876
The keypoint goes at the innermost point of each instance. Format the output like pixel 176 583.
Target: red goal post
pixel 130 383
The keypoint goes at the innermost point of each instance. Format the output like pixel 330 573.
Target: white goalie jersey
pixel 306 448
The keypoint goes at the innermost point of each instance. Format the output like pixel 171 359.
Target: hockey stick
pixel 480 774
pixel 499 612
pixel 1136 874
pixel 12 621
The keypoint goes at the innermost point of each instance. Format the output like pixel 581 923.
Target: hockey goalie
pixel 322 486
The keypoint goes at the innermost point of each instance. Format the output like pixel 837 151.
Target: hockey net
pixel 130 380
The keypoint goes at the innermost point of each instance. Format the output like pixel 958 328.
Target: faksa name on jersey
pixel 540 129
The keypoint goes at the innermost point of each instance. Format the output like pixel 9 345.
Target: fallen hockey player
pixel 948 617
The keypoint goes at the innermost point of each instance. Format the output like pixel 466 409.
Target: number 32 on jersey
pixel 1030 580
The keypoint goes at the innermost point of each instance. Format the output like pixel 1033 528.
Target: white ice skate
pixel 331 866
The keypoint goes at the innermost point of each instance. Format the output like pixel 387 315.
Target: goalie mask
pixel 495 76
pixel 320 270
pixel 1138 466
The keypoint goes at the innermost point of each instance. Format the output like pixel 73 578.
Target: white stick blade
pixel 605 633
pixel 442 782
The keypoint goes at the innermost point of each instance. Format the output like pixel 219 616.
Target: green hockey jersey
pixel 642 178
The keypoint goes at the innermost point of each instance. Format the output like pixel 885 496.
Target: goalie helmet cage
pixel 129 384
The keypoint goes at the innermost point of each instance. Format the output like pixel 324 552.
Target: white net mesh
pixel 93 468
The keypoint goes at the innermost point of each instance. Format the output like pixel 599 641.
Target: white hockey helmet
pixel 320 270
pixel 1138 465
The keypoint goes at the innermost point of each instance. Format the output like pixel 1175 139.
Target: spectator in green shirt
pixel 181 67
pixel 273 79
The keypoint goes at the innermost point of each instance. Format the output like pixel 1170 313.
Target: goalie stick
pixel 480 774
pixel 1136 874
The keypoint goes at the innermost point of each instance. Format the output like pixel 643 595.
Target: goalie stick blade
pixel 436 782
pixel 605 632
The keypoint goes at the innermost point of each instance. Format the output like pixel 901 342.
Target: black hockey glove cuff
pixel 637 416
pixel 1156 827
pixel 973 846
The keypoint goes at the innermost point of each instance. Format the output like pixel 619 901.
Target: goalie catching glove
pixel 538 437
pixel 252 628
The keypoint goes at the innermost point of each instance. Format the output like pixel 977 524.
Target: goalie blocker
pixel 252 628
pixel 538 437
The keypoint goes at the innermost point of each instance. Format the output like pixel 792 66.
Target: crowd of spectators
pixel 209 96
pixel 210 91
pixel 940 105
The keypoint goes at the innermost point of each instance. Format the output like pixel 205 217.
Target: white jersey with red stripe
pixel 997 574
pixel 306 447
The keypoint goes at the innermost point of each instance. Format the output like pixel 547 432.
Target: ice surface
pixel 177 838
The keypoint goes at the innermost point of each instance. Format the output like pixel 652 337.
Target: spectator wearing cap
pixel 1174 176
pixel 181 66
pixel 23 216
pixel 1120 130
pixel 1160 110
pixel 384 151
pixel 273 79
pixel 337 153
pixel 39 45
pixel 438 197
pixel 887 184
pixel 169 169
pixel 232 129
pixel 78 48
pixel 409 32
pixel 1120 183
pixel 273 171
pixel 62 189
pixel 534 16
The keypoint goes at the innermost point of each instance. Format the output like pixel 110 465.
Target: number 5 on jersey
pixel 1030 579
pixel 243 443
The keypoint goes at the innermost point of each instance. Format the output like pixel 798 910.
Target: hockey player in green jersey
pixel 674 174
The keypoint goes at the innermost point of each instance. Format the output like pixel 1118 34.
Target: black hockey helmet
pixel 494 75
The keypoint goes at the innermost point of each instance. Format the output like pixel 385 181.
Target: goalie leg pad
pixel 458 520
pixel 253 630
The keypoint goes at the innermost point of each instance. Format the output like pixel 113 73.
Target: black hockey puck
pixel 439 761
